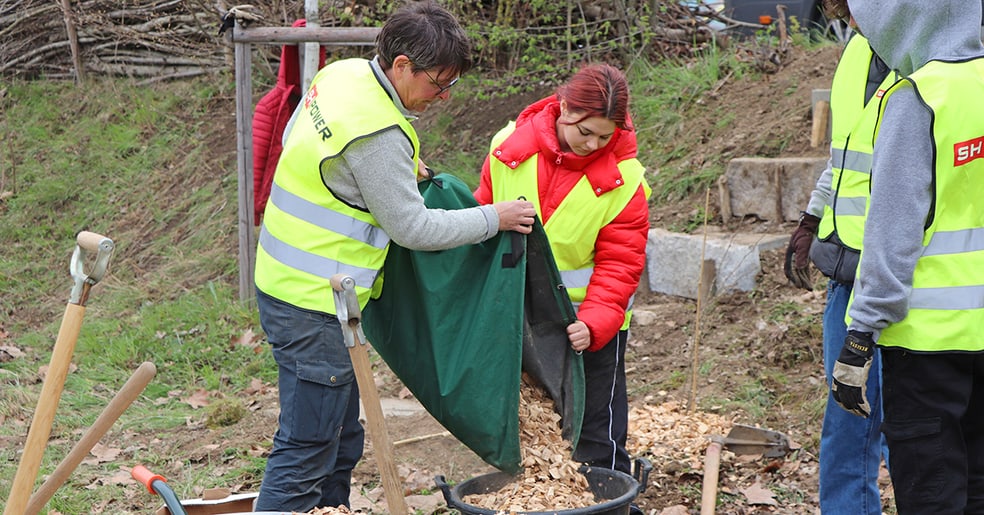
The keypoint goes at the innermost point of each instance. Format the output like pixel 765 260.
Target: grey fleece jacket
pixel 906 34
pixel 376 173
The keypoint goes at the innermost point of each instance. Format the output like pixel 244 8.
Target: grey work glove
pixel 850 388
pixel 797 266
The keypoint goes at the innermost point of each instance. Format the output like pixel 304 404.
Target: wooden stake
pixel 821 119
pixel 73 40
pixel 695 350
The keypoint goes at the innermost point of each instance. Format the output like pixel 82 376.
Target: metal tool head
pixel 347 309
pixel 90 261
pixel 743 440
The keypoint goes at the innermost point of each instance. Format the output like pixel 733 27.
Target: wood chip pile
pixel 550 480
pixel 672 438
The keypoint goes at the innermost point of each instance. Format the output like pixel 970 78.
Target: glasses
pixel 441 89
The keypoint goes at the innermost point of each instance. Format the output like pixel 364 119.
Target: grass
pixel 110 158
pixel 142 166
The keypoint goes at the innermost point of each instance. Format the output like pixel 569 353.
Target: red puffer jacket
pixel 269 120
pixel 620 248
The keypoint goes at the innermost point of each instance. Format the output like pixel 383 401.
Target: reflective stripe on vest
pixel 308 234
pixel 574 226
pixel 851 143
pixel 313 264
pixel 946 304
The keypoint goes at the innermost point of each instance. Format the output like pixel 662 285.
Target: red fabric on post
pixel 269 120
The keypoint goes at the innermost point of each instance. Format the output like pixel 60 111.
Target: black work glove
pixel 797 267
pixel 850 388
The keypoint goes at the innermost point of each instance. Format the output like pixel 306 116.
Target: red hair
pixel 598 90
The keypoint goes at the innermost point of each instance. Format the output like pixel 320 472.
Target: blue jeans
pixel 851 447
pixel 319 439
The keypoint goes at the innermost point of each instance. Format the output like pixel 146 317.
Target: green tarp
pixel 459 326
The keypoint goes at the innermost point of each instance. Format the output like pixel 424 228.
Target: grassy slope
pixel 145 167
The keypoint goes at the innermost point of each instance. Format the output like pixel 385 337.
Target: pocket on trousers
pixel 320 401
pixel 916 449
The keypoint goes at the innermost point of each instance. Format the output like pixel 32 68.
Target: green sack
pixel 459 326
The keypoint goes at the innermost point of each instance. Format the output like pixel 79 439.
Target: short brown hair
pixel 429 35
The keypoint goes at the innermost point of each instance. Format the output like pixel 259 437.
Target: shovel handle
pixel 44 414
pixel 712 462
pixel 89 241
pixel 127 394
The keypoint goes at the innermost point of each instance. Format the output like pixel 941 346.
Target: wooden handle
pixel 712 462
pixel 44 415
pixel 383 448
pixel 89 240
pixel 122 400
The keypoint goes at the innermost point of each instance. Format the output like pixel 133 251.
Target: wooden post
pixel 309 51
pixel 821 119
pixel 244 162
pixel 73 40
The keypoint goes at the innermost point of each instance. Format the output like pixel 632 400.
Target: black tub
pixel 613 490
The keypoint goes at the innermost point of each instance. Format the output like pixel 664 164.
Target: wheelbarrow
pixel 241 504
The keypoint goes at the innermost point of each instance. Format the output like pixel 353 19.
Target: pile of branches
pixel 136 39
pixel 180 38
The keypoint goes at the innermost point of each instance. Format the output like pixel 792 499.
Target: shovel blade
pixel 744 440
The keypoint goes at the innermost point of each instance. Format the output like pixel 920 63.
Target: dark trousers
pixel 319 438
pixel 606 408
pixel 934 426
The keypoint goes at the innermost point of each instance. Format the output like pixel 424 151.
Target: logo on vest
pixel 966 151
pixel 315 112
pixel 310 96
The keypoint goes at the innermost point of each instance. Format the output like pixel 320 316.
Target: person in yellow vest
pixel 830 234
pixel 345 186
pixel 919 293
pixel 574 155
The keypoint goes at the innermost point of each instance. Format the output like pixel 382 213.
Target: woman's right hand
pixel 515 215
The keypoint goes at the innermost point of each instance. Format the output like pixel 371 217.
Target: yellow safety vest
pixel 851 144
pixel 946 305
pixel 307 234
pixel 574 226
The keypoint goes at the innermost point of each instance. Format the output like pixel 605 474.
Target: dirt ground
pixel 758 353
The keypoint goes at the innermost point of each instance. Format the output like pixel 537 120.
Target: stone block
pixel 774 189
pixel 673 260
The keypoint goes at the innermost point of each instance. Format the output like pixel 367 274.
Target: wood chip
pixel 667 434
pixel 550 480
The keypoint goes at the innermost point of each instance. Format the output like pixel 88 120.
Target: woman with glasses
pixel 345 185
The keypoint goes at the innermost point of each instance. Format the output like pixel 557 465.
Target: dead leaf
pixel 248 339
pixel 121 477
pixel 757 494
pixel 102 454
pixel 198 399
pixel 9 352
pixel 256 387
pixel 43 370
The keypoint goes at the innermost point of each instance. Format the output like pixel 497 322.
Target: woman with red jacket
pixel 573 154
